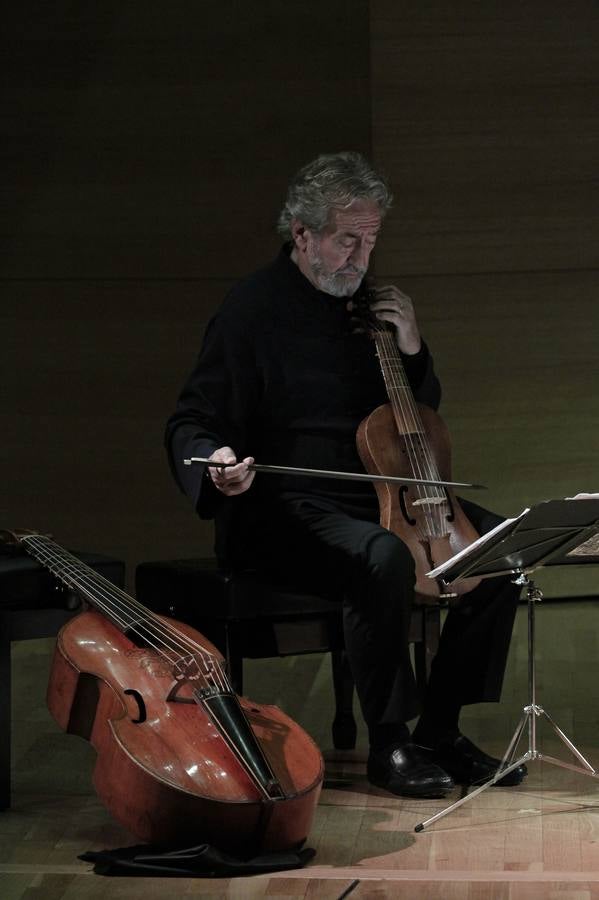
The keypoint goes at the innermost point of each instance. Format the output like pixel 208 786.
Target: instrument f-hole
pixel 141 706
pixel 404 509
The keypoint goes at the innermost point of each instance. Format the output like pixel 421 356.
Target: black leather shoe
pixel 407 771
pixel 467 764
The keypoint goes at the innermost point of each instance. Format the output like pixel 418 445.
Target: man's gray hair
pixel 331 181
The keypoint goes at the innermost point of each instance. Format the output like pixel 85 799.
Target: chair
pixel 247 617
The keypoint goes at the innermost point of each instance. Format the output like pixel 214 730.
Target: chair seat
pixel 271 619
pixel 250 617
pixel 174 585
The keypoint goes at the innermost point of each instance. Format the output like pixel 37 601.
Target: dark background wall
pixel 486 115
pixel 146 152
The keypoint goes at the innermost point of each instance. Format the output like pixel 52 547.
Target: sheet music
pixel 503 526
pixel 590 547
pixel 571 516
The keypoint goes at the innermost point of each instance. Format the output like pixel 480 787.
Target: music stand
pixel 553 533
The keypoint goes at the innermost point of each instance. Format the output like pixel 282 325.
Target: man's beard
pixel 338 284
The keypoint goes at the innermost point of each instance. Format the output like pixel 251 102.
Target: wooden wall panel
pixel 146 153
pixel 143 133
pixel 485 118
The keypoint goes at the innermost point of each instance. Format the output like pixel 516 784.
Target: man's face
pixel 336 259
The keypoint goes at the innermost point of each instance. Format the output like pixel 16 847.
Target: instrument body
pixel 410 440
pixel 179 757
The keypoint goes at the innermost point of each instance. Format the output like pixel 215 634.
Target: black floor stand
pixel 531 712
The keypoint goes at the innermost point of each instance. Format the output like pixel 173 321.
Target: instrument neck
pixel 97 590
pixel 399 391
pixel 408 422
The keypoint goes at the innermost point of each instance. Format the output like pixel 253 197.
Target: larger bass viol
pixel 179 756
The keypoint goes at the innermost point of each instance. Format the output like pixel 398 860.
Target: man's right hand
pixel 234 480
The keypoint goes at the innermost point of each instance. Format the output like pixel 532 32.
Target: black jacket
pixel 283 376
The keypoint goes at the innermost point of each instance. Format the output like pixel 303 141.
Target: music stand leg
pixel 529 717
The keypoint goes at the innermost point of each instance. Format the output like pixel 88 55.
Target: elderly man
pixel 284 376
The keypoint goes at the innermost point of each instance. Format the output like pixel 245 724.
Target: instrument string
pixel 395 390
pixel 432 518
pixel 399 396
pixel 129 614
pixel 432 500
pixel 403 396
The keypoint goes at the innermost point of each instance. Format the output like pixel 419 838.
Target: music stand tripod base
pixel 530 713
pixel 533 710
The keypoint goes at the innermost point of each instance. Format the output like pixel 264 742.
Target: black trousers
pixel 322 546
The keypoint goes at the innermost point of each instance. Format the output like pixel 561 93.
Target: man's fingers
pixel 224 455
pixel 232 479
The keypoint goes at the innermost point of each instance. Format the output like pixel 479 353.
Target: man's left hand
pixel 393 306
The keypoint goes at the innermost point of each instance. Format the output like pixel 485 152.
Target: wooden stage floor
pixel 540 840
